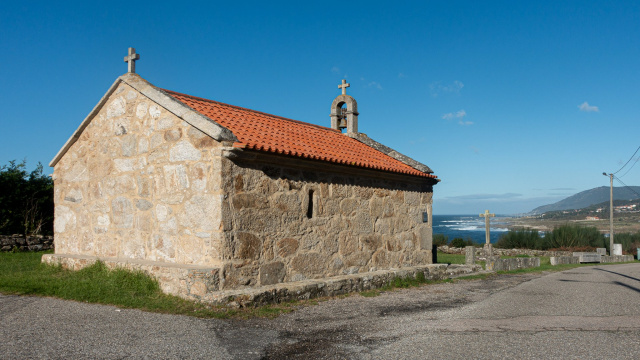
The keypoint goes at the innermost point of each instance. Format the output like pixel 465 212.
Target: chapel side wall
pixel 139 183
pixel 358 224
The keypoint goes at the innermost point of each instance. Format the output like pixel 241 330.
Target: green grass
pixel 24 274
pixel 451 258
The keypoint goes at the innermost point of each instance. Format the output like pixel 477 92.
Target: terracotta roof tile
pixel 269 133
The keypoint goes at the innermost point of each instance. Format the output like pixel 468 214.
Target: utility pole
pixel 610 213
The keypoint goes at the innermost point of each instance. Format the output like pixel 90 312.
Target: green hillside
pixel 589 198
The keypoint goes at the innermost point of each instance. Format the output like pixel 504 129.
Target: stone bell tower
pixel 344 117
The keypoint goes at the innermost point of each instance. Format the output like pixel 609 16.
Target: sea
pixel 468 227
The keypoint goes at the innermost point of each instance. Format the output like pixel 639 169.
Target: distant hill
pixel 590 197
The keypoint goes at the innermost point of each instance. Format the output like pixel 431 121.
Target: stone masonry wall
pixel 139 183
pixel 287 224
pixel 142 184
pixel 29 243
pixel 505 252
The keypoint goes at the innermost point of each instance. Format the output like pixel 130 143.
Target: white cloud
pixel 375 85
pixel 335 69
pixel 455 87
pixel 588 108
pixel 493 197
pixel 437 88
pixel 401 75
pixel 460 115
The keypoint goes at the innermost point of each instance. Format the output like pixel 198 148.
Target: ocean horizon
pixel 469 227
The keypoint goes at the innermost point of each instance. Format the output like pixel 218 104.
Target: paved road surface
pixel 591 312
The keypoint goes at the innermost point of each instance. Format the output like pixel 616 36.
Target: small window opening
pixel 310 205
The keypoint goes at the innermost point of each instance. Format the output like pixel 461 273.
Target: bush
pixel 26 200
pixel 566 237
pixel 440 240
pixel 571 236
pixel 521 239
pixel 458 242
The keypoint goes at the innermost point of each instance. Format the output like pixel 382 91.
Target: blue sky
pixel 513 104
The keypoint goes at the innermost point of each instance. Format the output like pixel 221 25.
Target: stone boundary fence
pixel 497 264
pixel 504 252
pixel 22 243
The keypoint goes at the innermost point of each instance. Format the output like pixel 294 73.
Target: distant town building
pixel 624 208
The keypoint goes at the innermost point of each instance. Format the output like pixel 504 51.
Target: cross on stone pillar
pixel 344 86
pixel 131 59
pixel 486 217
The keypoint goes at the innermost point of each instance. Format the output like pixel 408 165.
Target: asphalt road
pixel 590 312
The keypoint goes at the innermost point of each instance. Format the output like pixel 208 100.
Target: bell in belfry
pixel 342 121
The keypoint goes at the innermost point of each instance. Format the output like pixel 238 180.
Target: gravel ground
pixel 589 312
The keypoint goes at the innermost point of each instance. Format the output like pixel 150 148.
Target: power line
pixel 634 154
pixel 634 164
pixel 628 187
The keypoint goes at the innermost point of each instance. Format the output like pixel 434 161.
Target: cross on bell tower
pixel 131 59
pixel 344 86
pixel 346 117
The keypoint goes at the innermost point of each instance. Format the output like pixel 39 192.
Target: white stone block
pixel 184 151
pixel 617 249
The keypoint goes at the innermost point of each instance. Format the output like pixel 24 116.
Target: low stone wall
pixel 338 285
pixel 579 257
pixel 616 258
pixel 561 260
pixel 497 264
pixel 29 243
pixel 202 284
pixel 504 252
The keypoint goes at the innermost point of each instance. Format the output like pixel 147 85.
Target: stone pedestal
pixel 488 250
pixel 470 255
pixel 617 249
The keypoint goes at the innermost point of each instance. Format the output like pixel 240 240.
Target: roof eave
pixel 76 134
pixel 363 138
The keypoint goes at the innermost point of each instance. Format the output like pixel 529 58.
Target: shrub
pixel 440 240
pixel 26 200
pixel 521 239
pixel 458 242
pixel 571 236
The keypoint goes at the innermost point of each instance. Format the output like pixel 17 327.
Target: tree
pixel 26 200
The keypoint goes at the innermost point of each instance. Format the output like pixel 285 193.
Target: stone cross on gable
pixel 131 59
pixel 344 86
pixel 486 217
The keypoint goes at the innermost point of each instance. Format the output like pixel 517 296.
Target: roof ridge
pixel 253 111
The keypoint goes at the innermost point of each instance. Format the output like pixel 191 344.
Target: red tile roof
pixel 269 133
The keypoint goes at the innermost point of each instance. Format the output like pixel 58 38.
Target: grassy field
pixel 450 258
pixel 24 274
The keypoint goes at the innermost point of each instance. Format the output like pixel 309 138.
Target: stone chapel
pixel 207 196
